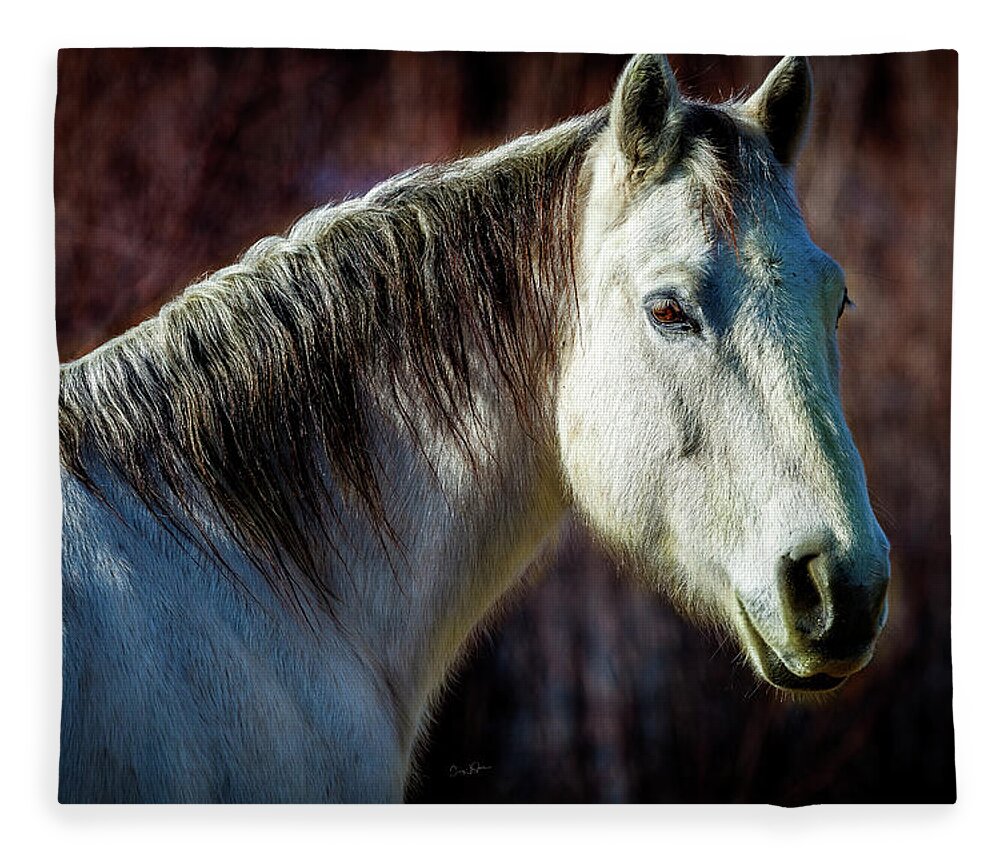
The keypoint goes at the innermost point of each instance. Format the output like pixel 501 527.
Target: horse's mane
pixel 254 382
pixel 255 385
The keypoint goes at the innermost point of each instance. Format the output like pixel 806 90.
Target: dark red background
pixel 170 162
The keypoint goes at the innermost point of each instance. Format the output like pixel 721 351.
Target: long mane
pixel 253 386
pixel 253 392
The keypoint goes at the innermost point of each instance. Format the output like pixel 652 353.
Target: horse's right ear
pixel 645 114
pixel 782 106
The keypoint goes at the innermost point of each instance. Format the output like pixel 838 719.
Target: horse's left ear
pixel 782 105
pixel 645 114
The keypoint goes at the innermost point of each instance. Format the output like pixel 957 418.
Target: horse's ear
pixel 782 104
pixel 645 113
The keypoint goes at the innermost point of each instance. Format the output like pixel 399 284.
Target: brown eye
pixel 667 316
pixel 667 312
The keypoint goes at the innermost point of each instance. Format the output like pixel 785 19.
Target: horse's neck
pixel 465 527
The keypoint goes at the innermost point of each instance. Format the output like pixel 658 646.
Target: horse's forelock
pixel 726 159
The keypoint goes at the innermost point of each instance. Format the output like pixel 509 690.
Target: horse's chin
pixel 773 669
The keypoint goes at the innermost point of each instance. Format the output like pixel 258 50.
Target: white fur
pixel 704 458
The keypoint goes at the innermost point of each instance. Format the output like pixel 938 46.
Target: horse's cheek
pixel 587 457
pixel 614 464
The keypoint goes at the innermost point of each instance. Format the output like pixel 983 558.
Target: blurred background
pixel 168 163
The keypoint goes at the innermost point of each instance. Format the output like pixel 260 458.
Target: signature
pixel 470 769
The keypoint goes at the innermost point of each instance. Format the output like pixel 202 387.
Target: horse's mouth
pixel 774 670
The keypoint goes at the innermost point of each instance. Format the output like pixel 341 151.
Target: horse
pixel 291 497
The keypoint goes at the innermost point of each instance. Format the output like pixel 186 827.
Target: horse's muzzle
pixel 831 613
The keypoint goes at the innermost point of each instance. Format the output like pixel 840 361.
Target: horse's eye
pixel 667 315
pixel 845 303
pixel 668 312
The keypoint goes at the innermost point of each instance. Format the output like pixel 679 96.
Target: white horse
pixel 290 497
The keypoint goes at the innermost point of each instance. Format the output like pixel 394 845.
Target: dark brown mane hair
pixel 253 388
pixel 253 382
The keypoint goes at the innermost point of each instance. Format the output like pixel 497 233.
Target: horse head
pixel 699 419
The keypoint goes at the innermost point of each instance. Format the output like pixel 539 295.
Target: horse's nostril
pixel 833 604
pixel 803 596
